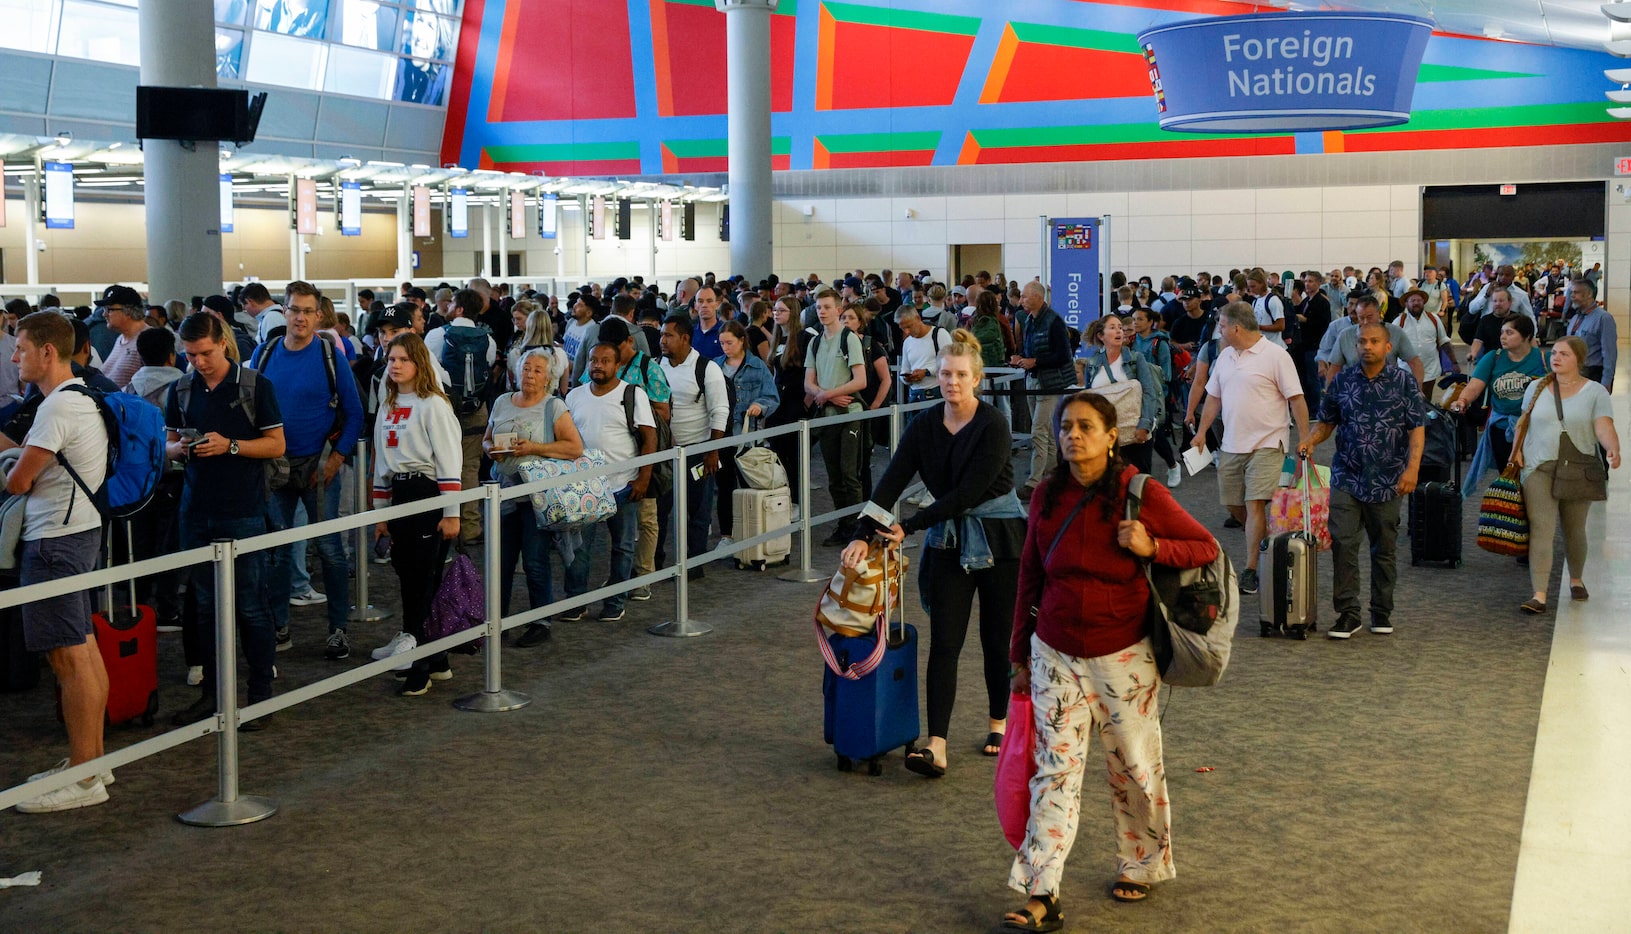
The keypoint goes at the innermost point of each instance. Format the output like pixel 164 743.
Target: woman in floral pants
pixel 1081 648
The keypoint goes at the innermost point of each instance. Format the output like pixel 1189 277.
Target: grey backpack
pixel 1194 612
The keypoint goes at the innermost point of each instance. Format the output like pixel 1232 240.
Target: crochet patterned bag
pixel 1503 523
pixel 582 502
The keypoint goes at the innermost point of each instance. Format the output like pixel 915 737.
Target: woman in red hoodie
pixel 1081 649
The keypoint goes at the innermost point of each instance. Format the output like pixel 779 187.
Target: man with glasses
pixel 122 308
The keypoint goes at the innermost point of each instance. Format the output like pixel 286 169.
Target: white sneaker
pixel 107 777
pixel 390 648
pixel 195 675
pixel 797 515
pixel 725 541
pixel 1175 476
pixel 408 644
pixel 309 598
pixel 66 799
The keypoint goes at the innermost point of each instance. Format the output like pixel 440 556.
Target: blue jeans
pixel 256 634
pixel 624 528
pixel 336 571
pixel 520 537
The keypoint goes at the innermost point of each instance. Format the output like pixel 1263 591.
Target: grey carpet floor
pixel 682 785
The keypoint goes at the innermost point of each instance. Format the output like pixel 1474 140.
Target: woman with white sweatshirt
pixel 417 455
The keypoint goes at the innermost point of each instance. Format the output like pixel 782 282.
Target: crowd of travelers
pixel 454 386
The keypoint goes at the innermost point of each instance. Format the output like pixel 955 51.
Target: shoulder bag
pixel 1194 612
pixel 1576 475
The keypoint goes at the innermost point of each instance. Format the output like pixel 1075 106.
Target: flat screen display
pixel 350 209
pixel 59 196
pixel 547 217
pixel 458 213
pixel 226 202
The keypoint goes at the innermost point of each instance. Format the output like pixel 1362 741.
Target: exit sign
pixel 1509 189
pixel 1622 165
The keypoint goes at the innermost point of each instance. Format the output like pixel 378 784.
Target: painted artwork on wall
pixel 637 87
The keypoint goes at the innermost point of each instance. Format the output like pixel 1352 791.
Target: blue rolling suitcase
pixel 868 717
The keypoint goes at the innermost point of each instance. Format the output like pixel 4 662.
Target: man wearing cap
pixel 122 307
pixel 1427 333
pixel 222 307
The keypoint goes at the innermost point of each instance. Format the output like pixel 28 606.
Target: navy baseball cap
pixel 122 295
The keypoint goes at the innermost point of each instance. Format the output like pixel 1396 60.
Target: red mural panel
pixel 458 102
pixel 881 66
pixel 584 71
pixel 689 45
pixel 1113 152
pixel 1047 73
pixel 586 167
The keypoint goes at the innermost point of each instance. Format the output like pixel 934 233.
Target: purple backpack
pixel 460 603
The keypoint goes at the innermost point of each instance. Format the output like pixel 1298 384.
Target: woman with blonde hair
pixel 418 454
pixel 976 528
pixel 537 332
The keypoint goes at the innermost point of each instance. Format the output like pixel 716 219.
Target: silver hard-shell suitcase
pixel 1288 584
pixel 756 512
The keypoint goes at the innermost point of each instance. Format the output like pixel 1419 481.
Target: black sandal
pixel 1126 885
pixel 921 761
pixel 1052 918
pixel 993 745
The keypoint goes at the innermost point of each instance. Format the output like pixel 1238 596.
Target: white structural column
pixel 747 42
pixel 183 195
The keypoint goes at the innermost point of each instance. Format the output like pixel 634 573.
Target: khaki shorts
pixel 1254 476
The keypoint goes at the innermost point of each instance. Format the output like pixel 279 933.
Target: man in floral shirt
pixel 1376 410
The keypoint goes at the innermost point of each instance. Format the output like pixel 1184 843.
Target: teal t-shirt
pixel 1507 381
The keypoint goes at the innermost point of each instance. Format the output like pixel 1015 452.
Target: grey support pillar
pixel 182 194
pixel 747 41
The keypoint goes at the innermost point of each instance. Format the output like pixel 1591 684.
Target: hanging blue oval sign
pixel 1285 72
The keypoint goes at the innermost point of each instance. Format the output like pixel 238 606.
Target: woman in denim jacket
pixel 1112 361
pixel 753 395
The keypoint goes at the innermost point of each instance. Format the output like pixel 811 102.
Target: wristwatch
pixel 232 448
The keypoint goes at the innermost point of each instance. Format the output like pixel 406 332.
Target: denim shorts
pixel 63 621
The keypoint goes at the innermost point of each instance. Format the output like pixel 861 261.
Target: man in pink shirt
pixel 1253 382
pixel 127 315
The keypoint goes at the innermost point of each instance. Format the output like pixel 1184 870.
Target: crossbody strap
pixel 1071 517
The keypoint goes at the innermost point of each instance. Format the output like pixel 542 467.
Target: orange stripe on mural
pixel 1334 141
pixel 970 154
pixel 821 158
pixel 659 48
pixel 826 52
pixel 670 162
pixel 998 75
pixel 501 70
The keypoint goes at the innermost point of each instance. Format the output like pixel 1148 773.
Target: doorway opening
pixel 966 259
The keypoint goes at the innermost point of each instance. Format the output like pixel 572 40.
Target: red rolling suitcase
pixel 128 638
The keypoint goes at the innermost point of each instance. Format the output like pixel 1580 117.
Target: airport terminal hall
pixel 815 466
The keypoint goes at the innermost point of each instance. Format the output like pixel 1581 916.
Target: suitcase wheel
pixel 845 765
pixel 1299 634
pixel 874 766
pixel 1268 629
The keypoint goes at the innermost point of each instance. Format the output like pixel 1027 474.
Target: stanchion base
pixel 368 614
pixel 803 576
pixel 680 629
pixel 217 813
pixel 493 701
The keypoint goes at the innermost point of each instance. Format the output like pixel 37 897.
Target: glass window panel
pixel 99 32
pixel 422 82
pixel 369 25
pixel 304 18
pixel 28 24
pixel 232 12
pixel 229 53
pixel 365 74
pixel 444 7
pixel 286 62
pixel 427 36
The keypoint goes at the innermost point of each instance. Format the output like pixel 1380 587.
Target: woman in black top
pixel 976 531
pixel 858 317
pixel 788 344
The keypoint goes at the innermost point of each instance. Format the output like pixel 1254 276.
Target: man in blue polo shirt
pixel 705 333
pixel 225 424
pixel 1377 412
pixel 322 422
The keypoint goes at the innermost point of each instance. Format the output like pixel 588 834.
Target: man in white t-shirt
pixel 1269 308
pixel 1427 333
pixel 62 536
pixel 1252 385
pixel 918 354
pixel 603 420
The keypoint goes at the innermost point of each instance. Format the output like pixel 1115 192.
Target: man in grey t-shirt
pixel 1347 349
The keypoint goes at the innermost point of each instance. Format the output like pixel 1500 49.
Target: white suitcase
pixel 757 512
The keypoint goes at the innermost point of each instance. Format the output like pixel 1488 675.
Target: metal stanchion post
pixel 682 625
pixel 227 808
pixel 493 697
pixel 362 611
pixel 803 574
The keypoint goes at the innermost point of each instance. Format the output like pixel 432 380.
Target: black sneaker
pixel 534 634
pixel 609 615
pixel 1381 627
pixel 256 725
pixel 284 640
pixel 835 540
pixel 1343 628
pixel 571 616
pixel 201 709
pixel 1248 581
pixel 339 646
pixel 418 683
pixel 1233 523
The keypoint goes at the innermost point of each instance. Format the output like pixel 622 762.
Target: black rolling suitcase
pixel 1435 505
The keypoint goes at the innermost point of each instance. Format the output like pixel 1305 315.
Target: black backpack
pixel 464 357
pixel 330 368
pixel 662 475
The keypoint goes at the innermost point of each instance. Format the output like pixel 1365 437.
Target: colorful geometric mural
pixel 638 87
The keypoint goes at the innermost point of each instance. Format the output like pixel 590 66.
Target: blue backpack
pixel 136 436
pixel 464 357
